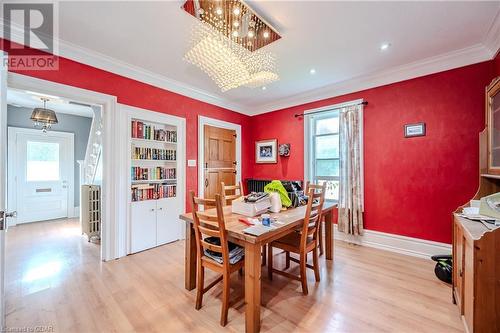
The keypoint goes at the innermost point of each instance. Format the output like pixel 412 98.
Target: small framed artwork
pixel 266 151
pixel 413 130
pixel 284 149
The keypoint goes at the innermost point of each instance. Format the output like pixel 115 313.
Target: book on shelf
pixel 153 192
pixel 141 130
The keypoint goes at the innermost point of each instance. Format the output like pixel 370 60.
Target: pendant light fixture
pixel 43 117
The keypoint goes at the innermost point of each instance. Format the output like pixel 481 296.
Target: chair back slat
pixel 209 225
pixel 209 231
pixel 211 247
pixel 312 220
pixel 231 192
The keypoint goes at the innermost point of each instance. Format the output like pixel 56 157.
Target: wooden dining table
pixel 288 221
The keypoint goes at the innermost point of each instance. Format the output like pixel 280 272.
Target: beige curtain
pixel 350 219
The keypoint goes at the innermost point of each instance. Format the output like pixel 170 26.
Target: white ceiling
pixel 341 40
pixel 21 98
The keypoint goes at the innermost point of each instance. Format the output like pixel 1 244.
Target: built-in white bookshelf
pixel 153 168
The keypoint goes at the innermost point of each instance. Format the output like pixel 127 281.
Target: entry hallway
pixel 55 279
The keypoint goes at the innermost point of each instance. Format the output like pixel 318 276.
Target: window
pixel 324 152
pixel 42 163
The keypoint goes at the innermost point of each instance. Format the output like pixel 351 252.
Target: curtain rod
pixel 342 107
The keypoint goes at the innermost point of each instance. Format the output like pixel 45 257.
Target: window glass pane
pixel 327 168
pixel 42 163
pixel 327 146
pixel 332 189
pixel 327 125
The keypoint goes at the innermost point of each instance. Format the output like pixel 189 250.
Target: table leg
pixel 252 287
pixel 329 235
pixel 190 258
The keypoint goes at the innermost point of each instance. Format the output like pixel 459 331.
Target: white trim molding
pixel 112 208
pixel 395 243
pixel 459 58
pixel 492 39
pixel 482 51
pixel 202 121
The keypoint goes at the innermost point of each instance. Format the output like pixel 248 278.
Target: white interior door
pixel 3 180
pixel 41 171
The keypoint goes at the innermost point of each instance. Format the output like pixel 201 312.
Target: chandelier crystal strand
pixel 227 62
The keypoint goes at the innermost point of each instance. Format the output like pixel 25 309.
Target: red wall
pixel 411 185
pixel 135 93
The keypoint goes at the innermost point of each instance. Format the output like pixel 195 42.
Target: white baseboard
pixel 395 243
pixel 74 213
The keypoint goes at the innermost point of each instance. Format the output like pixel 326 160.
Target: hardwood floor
pixel 54 278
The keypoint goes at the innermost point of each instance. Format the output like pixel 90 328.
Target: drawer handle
pixel 460 273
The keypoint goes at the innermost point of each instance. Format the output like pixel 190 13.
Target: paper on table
pixel 258 230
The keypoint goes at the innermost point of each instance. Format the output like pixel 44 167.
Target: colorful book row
pixel 153 192
pixel 140 153
pixel 141 130
pixel 157 173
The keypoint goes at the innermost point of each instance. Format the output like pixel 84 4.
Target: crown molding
pixel 492 38
pixel 480 52
pixel 98 60
pixel 459 58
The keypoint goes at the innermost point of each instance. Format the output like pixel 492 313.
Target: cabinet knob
pixel 161 208
pixel 152 209
pixel 460 273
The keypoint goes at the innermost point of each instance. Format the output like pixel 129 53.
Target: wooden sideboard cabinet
pixel 476 248
pixel 476 275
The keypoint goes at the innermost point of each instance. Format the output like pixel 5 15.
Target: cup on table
pixel 266 220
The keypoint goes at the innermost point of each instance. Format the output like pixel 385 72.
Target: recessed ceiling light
pixel 236 24
pixel 312 71
pixel 384 46
pixel 235 33
pixel 218 11
pixel 264 88
pixel 251 33
pixel 266 34
pixel 236 11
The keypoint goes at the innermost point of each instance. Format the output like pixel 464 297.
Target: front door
pixel 219 159
pixel 40 172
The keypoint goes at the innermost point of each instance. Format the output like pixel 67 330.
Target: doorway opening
pixel 48 173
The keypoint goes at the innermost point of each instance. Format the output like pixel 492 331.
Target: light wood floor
pixel 54 278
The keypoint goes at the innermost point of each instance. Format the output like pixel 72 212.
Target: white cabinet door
pixel 167 220
pixel 143 225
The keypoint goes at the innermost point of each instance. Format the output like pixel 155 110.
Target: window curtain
pixel 350 207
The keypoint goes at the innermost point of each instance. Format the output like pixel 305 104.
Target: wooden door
pixel 219 160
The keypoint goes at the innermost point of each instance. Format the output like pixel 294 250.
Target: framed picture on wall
pixel 412 130
pixel 266 151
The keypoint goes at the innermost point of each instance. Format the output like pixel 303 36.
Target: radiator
pixel 90 211
pixel 257 185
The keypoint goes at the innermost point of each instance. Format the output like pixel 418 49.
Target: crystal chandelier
pixel 226 44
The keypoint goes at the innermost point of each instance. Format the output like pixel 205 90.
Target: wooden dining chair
pixel 210 233
pixel 320 228
pixel 231 192
pixel 301 243
pixel 228 195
